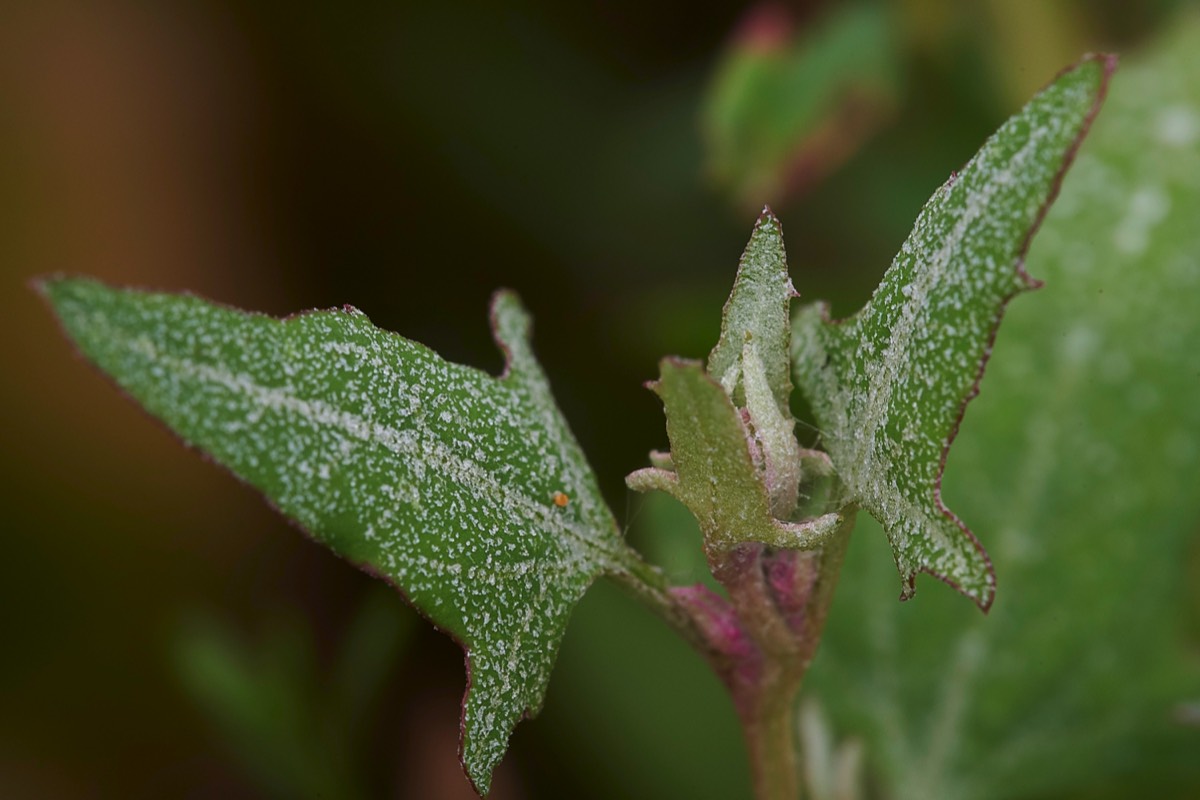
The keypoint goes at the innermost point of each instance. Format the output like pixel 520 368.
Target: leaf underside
pixel 438 477
pixel 889 385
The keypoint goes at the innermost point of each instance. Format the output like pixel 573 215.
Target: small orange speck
pixel 561 500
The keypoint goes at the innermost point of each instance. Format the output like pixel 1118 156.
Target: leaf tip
pixel 981 590
pixel 511 329
pixel 51 287
pixel 1107 61
pixel 650 479
pixel 769 221
pixel 41 284
pixel 673 363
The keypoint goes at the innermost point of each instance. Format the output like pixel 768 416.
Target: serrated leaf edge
pixel 1108 64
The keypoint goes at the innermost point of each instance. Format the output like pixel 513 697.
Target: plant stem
pixel 771 741
pixel 780 600
pixel 760 640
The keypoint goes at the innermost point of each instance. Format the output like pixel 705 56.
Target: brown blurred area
pixel 148 144
pixel 408 160
pixel 133 143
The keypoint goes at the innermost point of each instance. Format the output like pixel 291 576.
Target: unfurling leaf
pixel 889 385
pixel 713 473
pixel 759 307
pixel 739 474
pixel 440 478
pixel 751 359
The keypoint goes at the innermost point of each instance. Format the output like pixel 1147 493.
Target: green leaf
pixel 752 362
pixel 790 102
pixel 889 385
pixel 759 307
pixel 1082 457
pixel 714 475
pixel 438 477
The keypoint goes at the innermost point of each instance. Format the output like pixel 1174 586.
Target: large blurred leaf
pixel 297 735
pixel 466 491
pixel 1081 458
pixel 888 386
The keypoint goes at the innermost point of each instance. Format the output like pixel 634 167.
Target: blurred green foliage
pixel 1079 464
pixel 787 107
pixel 303 155
pixel 297 732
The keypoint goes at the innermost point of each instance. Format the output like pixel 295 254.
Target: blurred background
pixel 165 633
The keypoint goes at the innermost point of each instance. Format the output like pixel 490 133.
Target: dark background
pixel 407 159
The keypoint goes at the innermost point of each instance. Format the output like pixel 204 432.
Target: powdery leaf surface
pixel 759 307
pixel 888 386
pixel 752 360
pixel 1082 456
pixel 713 473
pixel 467 492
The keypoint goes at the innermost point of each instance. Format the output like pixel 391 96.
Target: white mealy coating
pixel 888 385
pixel 1088 501
pixel 438 476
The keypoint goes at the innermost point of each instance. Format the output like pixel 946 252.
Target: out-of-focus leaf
pixel 468 492
pixel 263 703
pixel 297 734
pixel 888 386
pixel 1082 459
pixel 788 106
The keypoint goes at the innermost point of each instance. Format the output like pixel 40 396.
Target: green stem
pixel 771 741
pixel 777 605
pixel 786 642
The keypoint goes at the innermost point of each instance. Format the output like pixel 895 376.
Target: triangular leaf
pixel 1083 453
pixel 468 492
pixel 889 385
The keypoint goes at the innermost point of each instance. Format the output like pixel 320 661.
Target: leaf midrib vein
pixel 396 441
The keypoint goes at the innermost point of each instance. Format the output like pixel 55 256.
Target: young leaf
pixel 759 307
pixel 468 492
pixel 751 359
pixel 888 386
pixel 735 496
pixel 713 474
pixel 1083 452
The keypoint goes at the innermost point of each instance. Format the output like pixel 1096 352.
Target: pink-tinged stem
pixel 761 640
